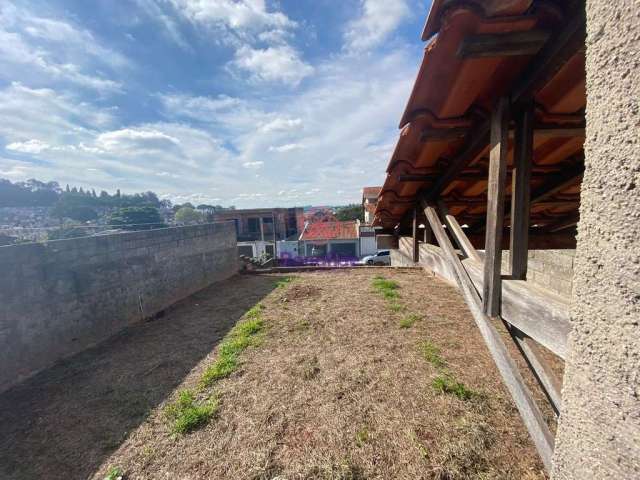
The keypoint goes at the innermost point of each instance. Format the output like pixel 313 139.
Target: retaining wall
pixel 60 297
pixel 549 269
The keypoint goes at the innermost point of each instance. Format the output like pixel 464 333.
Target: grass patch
pixel 431 354
pixel 447 384
pixel 187 415
pixel 362 436
pixel 241 336
pixel 396 307
pixel 409 320
pixel 387 288
pixel 284 281
pixel 114 473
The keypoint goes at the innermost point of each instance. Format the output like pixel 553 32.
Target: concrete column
pixel 599 430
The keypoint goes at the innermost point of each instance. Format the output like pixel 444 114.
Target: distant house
pixel 258 228
pixel 369 202
pixel 335 240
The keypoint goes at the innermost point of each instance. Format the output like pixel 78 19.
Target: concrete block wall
pixel 60 297
pixel 550 269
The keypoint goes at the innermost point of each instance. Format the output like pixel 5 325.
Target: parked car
pixel 383 257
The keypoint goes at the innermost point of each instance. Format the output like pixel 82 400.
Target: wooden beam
pixel 521 193
pixel 549 382
pixel 529 411
pixel 472 149
pixel 502 44
pixel 556 52
pixel 563 224
pixel 495 208
pixel 558 183
pixel 457 233
pixel 442 133
pixel 416 250
pixel 561 131
pixel 537 240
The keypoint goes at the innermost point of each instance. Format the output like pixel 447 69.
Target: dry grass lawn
pixel 343 383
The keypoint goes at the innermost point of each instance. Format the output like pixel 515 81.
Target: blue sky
pixel 233 102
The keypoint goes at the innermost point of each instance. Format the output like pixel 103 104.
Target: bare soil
pixel 336 389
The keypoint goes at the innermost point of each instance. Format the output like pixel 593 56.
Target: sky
pixel 233 102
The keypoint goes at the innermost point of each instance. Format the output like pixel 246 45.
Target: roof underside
pixel 460 79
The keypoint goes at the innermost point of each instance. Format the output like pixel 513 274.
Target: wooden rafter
pixel 502 44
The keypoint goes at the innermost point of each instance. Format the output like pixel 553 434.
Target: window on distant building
pixel 253 225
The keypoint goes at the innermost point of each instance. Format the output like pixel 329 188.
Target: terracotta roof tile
pixel 330 231
pixel 371 191
pixel 452 97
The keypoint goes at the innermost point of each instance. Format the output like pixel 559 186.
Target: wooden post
pixel 416 248
pixel 427 232
pixel 529 411
pixel 275 240
pixel 492 286
pixel 521 193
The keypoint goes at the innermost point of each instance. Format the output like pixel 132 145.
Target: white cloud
pixel 255 164
pixel 273 64
pixel 46 49
pixel 379 19
pixel 250 15
pixel 281 124
pixel 47 115
pixel 199 108
pixel 30 146
pixel 131 140
pixel 286 148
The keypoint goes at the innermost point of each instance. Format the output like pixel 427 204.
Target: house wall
pixel 60 297
pixel 599 430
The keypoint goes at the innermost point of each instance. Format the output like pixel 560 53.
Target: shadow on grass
pixel 65 421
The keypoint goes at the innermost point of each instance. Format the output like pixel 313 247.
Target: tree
pixel 188 215
pixel 65 208
pixel 350 212
pixel 137 218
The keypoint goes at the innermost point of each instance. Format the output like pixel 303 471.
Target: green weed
pixel 186 415
pixel 396 307
pixel 114 473
pixel 409 320
pixel 431 354
pixel 447 384
pixel 362 437
pixel 243 335
pixel 388 288
pixel 284 281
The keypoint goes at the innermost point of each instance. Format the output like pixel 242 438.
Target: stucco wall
pixel 599 431
pixel 61 297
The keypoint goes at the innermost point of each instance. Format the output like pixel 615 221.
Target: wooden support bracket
pixel 549 382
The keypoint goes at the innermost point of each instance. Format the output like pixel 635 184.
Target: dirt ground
pixel 336 389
